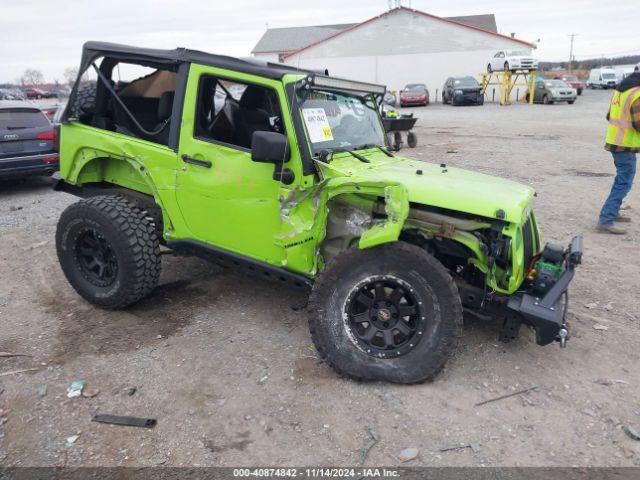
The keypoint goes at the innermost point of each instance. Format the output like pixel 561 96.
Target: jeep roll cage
pixel 178 61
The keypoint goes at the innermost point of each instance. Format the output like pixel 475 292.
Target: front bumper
pixel 468 98
pixel 547 315
pixel 563 98
pixel 413 102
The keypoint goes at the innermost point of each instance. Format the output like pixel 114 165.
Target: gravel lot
pixel 226 365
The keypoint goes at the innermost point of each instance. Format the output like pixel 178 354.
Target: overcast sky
pixel 48 34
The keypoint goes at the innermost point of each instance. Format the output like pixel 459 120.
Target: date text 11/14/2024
pixel 317 472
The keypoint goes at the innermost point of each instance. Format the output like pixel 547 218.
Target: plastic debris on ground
pixel 75 390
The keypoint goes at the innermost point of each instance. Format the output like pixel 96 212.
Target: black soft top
pixel 93 50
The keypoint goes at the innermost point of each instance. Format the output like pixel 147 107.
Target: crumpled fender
pixel 304 213
pixel 118 160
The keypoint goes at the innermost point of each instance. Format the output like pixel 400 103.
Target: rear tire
pixel 506 66
pixel 108 250
pixel 571 102
pixel 545 100
pixel 369 345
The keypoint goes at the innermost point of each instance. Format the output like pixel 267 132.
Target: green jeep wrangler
pixel 287 174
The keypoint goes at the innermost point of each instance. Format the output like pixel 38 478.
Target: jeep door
pixel 226 199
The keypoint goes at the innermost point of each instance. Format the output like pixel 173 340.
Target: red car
pixel 37 93
pixel 573 81
pixel 414 94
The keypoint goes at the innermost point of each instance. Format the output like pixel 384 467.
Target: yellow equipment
pixel 507 80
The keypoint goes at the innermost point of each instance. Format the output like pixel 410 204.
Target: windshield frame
pixel 301 96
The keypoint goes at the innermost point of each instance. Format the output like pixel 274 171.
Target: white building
pixel 398 47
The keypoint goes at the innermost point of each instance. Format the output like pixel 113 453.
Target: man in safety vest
pixel 623 141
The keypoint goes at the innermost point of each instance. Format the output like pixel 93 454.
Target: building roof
pixel 418 12
pixel 281 40
pixel 485 22
pixel 286 40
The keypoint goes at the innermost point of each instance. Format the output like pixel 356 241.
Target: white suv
pixel 511 60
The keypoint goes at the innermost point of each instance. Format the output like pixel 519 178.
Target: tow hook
pixel 563 336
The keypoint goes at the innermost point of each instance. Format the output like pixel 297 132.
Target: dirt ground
pixel 226 365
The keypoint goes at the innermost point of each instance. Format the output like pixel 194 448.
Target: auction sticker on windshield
pixel 317 125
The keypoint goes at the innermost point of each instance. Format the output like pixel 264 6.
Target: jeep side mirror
pixel 269 147
pixel 273 147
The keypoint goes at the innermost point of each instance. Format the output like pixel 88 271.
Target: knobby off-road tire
pixel 426 284
pixel 108 250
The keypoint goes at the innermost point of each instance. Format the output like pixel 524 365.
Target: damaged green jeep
pixel 285 173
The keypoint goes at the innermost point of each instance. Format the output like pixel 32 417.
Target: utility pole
pixel 573 35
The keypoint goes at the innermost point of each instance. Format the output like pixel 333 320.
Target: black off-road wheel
pixel 389 313
pixel 108 250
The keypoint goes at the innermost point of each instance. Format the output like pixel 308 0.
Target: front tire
pixel 545 100
pixel 506 66
pixel 108 250
pixel 489 68
pixel 388 313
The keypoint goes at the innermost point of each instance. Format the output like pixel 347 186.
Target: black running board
pixel 245 264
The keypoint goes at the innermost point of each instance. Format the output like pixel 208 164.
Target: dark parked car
pixel 414 94
pixel 462 91
pixel 28 143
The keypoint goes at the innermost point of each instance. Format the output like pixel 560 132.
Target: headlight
pixel 458 92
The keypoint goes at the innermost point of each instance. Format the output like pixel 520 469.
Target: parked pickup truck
pixel 290 178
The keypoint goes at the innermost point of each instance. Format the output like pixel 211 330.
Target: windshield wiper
pixel 327 156
pixel 371 145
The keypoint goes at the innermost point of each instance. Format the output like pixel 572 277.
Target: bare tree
pixel 70 75
pixel 31 76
